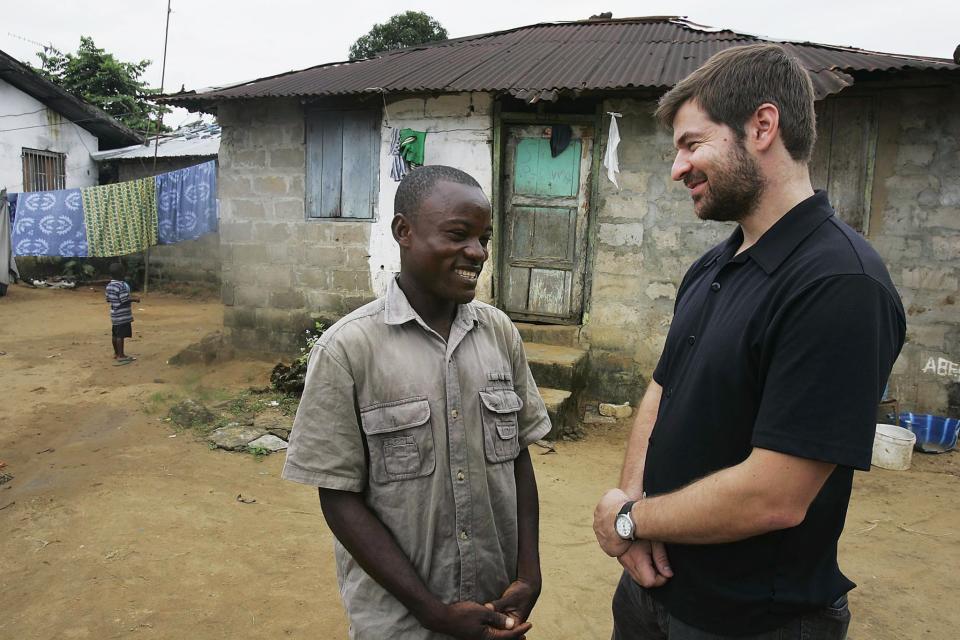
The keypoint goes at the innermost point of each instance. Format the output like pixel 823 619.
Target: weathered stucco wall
pixel 192 261
pixel 915 225
pixel 41 128
pixel 459 134
pixel 278 267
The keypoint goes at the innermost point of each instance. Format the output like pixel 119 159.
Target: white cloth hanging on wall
pixel 610 160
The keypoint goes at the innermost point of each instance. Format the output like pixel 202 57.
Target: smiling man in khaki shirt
pixel 414 424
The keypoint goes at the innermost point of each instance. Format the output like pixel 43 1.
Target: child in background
pixel 121 315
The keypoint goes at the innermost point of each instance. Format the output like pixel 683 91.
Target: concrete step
pixel 556 367
pixel 560 409
pixel 556 334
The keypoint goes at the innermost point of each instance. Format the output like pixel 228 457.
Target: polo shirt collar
pixel 397 309
pixel 788 232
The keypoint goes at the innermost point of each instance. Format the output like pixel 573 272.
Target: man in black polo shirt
pixel 739 467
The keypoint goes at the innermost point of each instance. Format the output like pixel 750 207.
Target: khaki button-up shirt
pixel 428 430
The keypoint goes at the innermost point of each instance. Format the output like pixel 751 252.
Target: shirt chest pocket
pixel 500 408
pixel 400 440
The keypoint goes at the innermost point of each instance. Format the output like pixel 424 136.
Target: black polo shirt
pixel 785 347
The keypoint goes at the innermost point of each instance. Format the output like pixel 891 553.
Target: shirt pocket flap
pixel 501 400
pixel 395 416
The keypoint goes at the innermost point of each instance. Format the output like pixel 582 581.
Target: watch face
pixel 624 526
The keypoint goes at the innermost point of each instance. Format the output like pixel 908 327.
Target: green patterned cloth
pixel 120 218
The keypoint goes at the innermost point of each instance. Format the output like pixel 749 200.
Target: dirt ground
pixel 115 525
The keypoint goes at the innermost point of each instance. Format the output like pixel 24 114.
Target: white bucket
pixel 893 447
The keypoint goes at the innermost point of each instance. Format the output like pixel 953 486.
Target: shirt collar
pixel 397 309
pixel 788 232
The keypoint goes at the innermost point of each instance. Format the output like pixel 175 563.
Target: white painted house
pixel 47 135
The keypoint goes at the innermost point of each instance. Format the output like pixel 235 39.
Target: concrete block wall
pixel 647 237
pixel 915 226
pixel 280 270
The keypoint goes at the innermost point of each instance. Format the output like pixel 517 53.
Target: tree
pixel 98 77
pixel 402 30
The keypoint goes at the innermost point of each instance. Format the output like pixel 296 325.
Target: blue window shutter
pixel 342 164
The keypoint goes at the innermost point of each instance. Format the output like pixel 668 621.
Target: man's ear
pixel 763 127
pixel 401 229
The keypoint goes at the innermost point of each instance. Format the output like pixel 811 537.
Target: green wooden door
pixel 545 221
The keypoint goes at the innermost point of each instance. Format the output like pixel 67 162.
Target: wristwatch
pixel 624 523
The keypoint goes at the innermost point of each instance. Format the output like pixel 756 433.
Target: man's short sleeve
pixel 326 445
pixel 825 359
pixel 533 418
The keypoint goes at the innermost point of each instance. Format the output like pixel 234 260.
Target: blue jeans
pixel 637 616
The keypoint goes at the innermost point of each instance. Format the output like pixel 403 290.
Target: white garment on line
pixel 610 160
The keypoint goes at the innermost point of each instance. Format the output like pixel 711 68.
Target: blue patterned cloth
pixel 50 223
pixel 187 203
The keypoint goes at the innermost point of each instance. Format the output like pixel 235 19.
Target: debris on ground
pixel 289 379
pixel 190 413
pixel 546 444
pixel 592 416
pixel 240 498
pixel 275 422
pixel 616 411
pixel 5 478
pixel 55 282
pixel 235 437
pixel 269 443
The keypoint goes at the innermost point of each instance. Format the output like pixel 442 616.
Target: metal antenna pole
pixel 156 140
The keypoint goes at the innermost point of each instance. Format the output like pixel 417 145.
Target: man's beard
pixel 734 190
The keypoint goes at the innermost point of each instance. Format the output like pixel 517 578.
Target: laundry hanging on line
pixel 187 203
pixel 120 218
pixel 399 167
pixel 117 219
pixel 413 145
pixel 610 159
pixel 49 223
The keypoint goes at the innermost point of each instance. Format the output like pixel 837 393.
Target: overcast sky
pixel 214 42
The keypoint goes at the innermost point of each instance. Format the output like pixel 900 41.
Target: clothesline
pixel 116 219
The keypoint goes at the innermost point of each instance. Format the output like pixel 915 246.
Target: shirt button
pixel 463 535
pixel 454 413
pixel 715 286
pixel 669 392
pixel 460 476
pixel 691 340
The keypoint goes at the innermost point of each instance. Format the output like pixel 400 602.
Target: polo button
pixel 460 476
pixel 454 413
pixel 691 340
pixel 715 286
pixel 669 392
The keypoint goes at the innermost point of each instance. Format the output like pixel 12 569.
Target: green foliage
pixel 402 30
pixel 99 78
pixel 79 269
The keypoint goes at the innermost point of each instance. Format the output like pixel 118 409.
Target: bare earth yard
pixel 116 525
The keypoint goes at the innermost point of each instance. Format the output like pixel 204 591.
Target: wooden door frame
pixel 502 119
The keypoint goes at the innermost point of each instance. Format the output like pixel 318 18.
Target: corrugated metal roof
pixel 199 141
pixel 546 58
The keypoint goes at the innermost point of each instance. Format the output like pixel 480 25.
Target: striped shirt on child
pixel 118 295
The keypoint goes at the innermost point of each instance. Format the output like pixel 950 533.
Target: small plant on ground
pixel 291 379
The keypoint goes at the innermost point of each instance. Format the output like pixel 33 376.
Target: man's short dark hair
pixel 734 82
pixel 418 184
pixel 117 270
